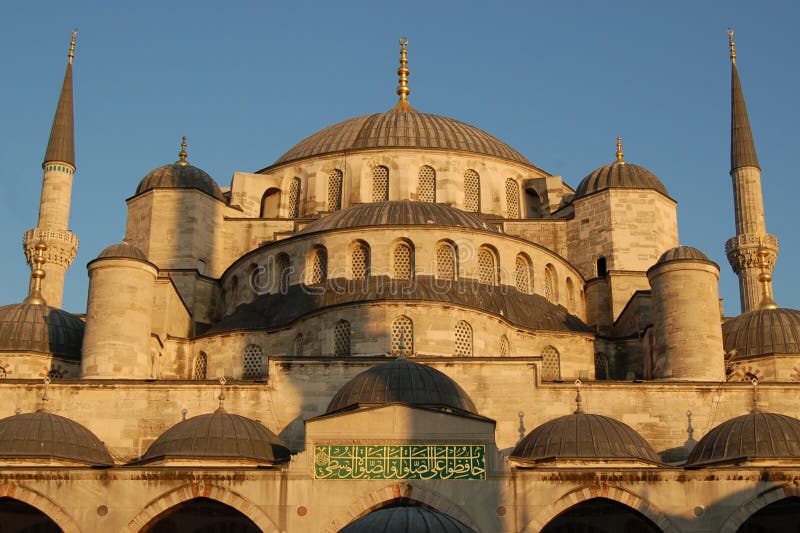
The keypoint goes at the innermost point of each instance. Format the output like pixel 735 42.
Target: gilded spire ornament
pixel 403 90
pixel 72 45
pixel 37 275
pixel 221 397
pixel 732 44
pixel 579 410
pixel 620 155
pixel 755 407
pixel 765 278
pixel 182 154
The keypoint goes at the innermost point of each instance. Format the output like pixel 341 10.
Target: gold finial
pixel 221 396
pixel 182 154
pixel 732 45
pixel 402 90
pixel 578 399
pixel 620 155
pixel 72 45
pixel 767 302
pixel 37 275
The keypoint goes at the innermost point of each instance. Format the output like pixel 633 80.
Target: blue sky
pixel 245 81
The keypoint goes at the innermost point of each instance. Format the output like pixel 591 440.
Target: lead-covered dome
pixel 47 436
pixel 122 250
pixel 219 435
pixel 39 328
pixel 753 436
pixel 761 332
pixel 180 175
pixel 682 253
pixel 402 381
pixel 406 519
pixel 619 175
pixel 399 213
pixel 401 127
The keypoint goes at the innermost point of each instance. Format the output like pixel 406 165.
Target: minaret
pixel 751 231
pixel 59 167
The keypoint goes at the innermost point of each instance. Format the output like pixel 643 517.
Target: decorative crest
pixel 754 381
pixel 37 275
pixel 578 398
pixel 402 90
pixel 182 154
pixel 732 44
pixel 620 154
pixel 765 278
pixel 221 397
pixel 72 45
pixel 45 398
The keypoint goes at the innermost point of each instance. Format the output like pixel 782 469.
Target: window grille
pixel 298 345
pixel 335 190
pixel 319 266
pixel 283 265
pixel 341 338
pixel 551 364
pixel 403 264
pixel 294 198
pixel 252 362
pixel 359 261
pixel 463 338
pixel 380 184
pixel 550 284
pixel 487 272
pixel 570 295
pixel 200 366
pixel 522 274
pixel 446 262
pixel 505 347
pixel 402 328
pixel 426 187
pixel 512 199
pixel 472 191
pixel 600 366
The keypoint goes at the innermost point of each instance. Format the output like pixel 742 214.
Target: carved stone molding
pixel 62 245
pixel 742 251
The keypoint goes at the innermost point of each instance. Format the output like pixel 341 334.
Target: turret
pixel 59 166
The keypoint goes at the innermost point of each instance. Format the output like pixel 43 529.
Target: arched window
pixel 551 364
pixel 487 266
pixel 426 187
pixel 294 198
pixel 570 295
pixel 446 261
pixel 463 339
pixel 402 329
pixel 317 265
pixel 512 199
pixel 359 260
pixel 600 366
pixel 533 204
pixel 472 191
pixel 341 338
pixel 298 345
pixel 380 184
pixel 200 366
pixel 335 189
pixel 271 203
pixel 550 284
pixel 283 270
pixel 602 269
pixel 252 362
pixel 505 346
pixel 402 261
pixel 523 274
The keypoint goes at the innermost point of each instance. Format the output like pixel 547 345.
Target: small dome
pixel 584 436
pixel 682 252
pixel 619 175
pixel 218 435
pixel 755 435
pixel 43 435
pixel 41 329
pixel 122 250
pixel 402 381
pixel 400 129
pixel 405 519
pixel 180 175
pixel 763 331
pixel 399 213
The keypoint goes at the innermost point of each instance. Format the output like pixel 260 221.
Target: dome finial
pixel 221 396
pixel 579 399
pixel 182 154
pixel 620 154
pixel 767 302
pixel 754 381
pixel 45 398
pixel 732 44
pixel 72 45
pixel 37 275
pixel 402 89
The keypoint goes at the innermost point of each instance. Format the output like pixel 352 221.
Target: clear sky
pixel 245 81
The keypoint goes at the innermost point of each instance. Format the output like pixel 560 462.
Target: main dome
pixel 401 127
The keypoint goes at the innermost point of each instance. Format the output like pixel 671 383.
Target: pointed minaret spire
pixel 61 147
pixel 402 88
pixel 752 245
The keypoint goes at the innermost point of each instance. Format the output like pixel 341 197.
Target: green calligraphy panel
pixel 400 461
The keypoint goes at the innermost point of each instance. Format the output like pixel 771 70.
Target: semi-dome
pixel 47 436
pixel 401 127
pixel 682 253
pixel 39 328
pixel 402 381
pixel 399 213
pixel 756 435
pixel 762 331
pixel 404 519
pixel 122 250
pixel 619 175
pixel 583 436
pixel 219 435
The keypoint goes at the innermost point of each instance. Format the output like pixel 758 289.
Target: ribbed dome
pixel 584 436
pixel 400 129
pixel 763 331
pixel 755 435
pixel 43 435
pixel 122 250
pixel 682 252
pixel 180 176
pixel 405 520
pixel 42 329
pixel 402 381
pixel 402 213
pixel 619 175
pixel 218 435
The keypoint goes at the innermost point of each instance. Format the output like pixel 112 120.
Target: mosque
pixel 401 324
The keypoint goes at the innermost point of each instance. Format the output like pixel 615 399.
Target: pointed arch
pixel 488 266
pixel 463 339
pixel 426 184
pixel 402 263
pixel 551 364
pixel 283 271
pixel 745 511
pixel 550 284
pixel 298 345
pixel 505 346
pixel 41 503
pixel 571 303
pixel 294 197
pixel 523 273
pixel 335 179
pixel 533 204
pixel 512 199
pixel 359 260
pixel 446 261
pixel 271 203
pixel 200 367
pixel 403 329
pixel 316 265
pixel 380 184
pixel 342 345
pixel 472 191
